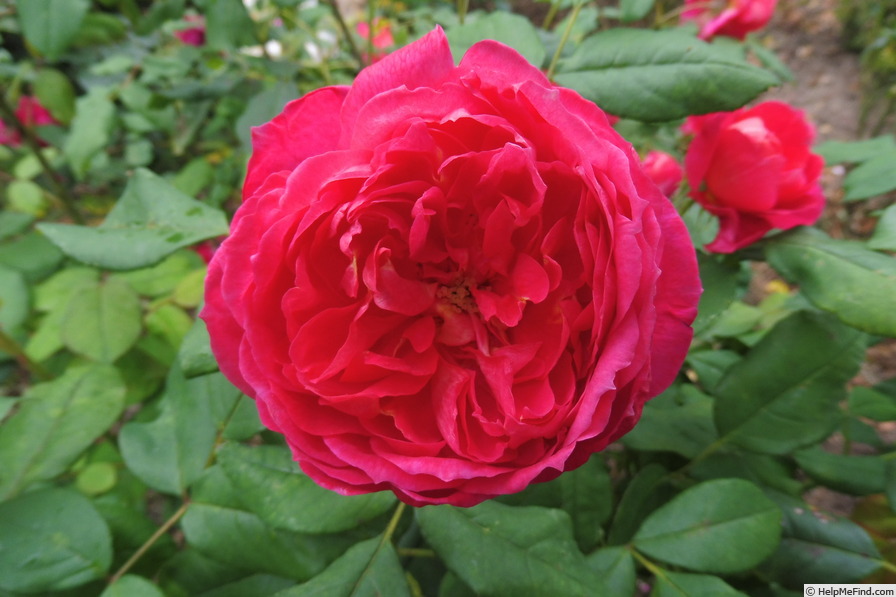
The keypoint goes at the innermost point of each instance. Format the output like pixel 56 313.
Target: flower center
pixel 458 296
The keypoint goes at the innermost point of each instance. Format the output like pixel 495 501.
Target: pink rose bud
pixel 192 36
pixel 449 281
pixel 30 113
pixel 754 169
pixel 732 18
pixel 664 170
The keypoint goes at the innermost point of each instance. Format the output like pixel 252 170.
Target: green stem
pixel 462 7
pixel 9 345
pixel 549 18
pixel 650 566
pixel 150 542
pixel 566 32
pixel 371 15
pixel 346 33
pixel 68 202
pixel 416 552
pixel 393 524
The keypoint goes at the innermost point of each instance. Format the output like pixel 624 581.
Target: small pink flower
pixel 664 170
pixel 192 36
pixel 30 113
pixel 382 38
pixel 732 18
pixel 754 169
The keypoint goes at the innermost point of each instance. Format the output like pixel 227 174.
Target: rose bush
pixel 731 18
pixel 754 169
pixel 449 281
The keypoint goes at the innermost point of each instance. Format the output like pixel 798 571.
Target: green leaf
pixel 710 366
pixel 257 585
pixel 151 220
pixel 676 421
pixel 261 108
pixel 855 475
pixel 647 490
pixel 270 484
pixel 170 453
pixel 228 25
pixel 720 526
pixel 91 126
pixel 840 276
pixel 817 547
pixel 56 421
pixel 368 569
pixel 760 469
pixel 720 287
pixel 50 25
pixel 195 354
pixel 162 278
pixel 14 298
pixel 657 76
pixel 132 586
pixel 836 152
pixel 31 254
pixel 634 10
pixel 503 550
pixel 872 404
pixel 51 540
pixel 27 197
pixel 783 395
pixel 616 566
pixel 103 320
pixel 884 237
pixel 56 94
pixel 873 177
pixel 510 29
pixel 682 584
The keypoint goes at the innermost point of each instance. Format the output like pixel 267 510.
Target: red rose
pixel 30 113
pixel 664 170
pixel 195 35
pixel 449 281
pixel 732 18
pixel 754 169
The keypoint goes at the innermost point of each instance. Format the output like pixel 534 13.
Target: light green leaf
pixel 873 177
pixel 657 76
pixel 56 94
pixel 840 276
pixel 151 220
pixel 163 277
pixel 616 566
pixel 783 395
pixel 50 25
pixel 368 569
pixel 270 484
pixel 720 526
pixel 510 29
pixel 130 585
pixel 634 10
pixel 170 453
pixel 51 540
pixel 228 25
pixel 884 237
pixel 510 551
pixel 817 547
pixel 836 152
pixel 102 321
pixel 55 423
pixel 14 298
pixel 261 108
pixel 94 117
pixel 195 354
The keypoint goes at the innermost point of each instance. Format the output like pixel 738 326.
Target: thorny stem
pixel 150 542
pixel 68 202
pixel 566 32
pixel 346 33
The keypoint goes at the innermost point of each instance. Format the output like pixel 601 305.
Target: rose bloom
pixel 192 36
pixel 449 281
pixel 664 170
pixel 30 113
pixel 754 169
pixel 732 18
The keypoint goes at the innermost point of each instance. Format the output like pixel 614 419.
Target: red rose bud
pixel 754 169
pixel 449 281
pixel 664 170
pixel 731 18
pixel 192 36
pixel 30 113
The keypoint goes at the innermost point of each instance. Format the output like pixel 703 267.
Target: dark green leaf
pixel 169 453
pixel 55 422
pixel 817 547
pixel 682 584
pixel 783 395
pixel 679 422
pixel 644 494
pixel 720 526
pixel 710 366
pixel 56 94
pixel 720 288
pixel 50 25
pixel 257 585
pixel 658 76
pixel 616 566
pixel 368 569
pixel 151 220
pixel 262 107
pixel 634 10
pixel 102 321
pixel 14 298
pixel 856 475
pixel 270 484
pixel 50 540
pixel 872 404
pixel 763 470
pixel 132 586
pixel 510 29
pixel 510 551
pixel 32 254
pixel 840 276
pixel 228 25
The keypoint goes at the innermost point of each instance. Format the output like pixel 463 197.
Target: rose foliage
pixel 304 303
